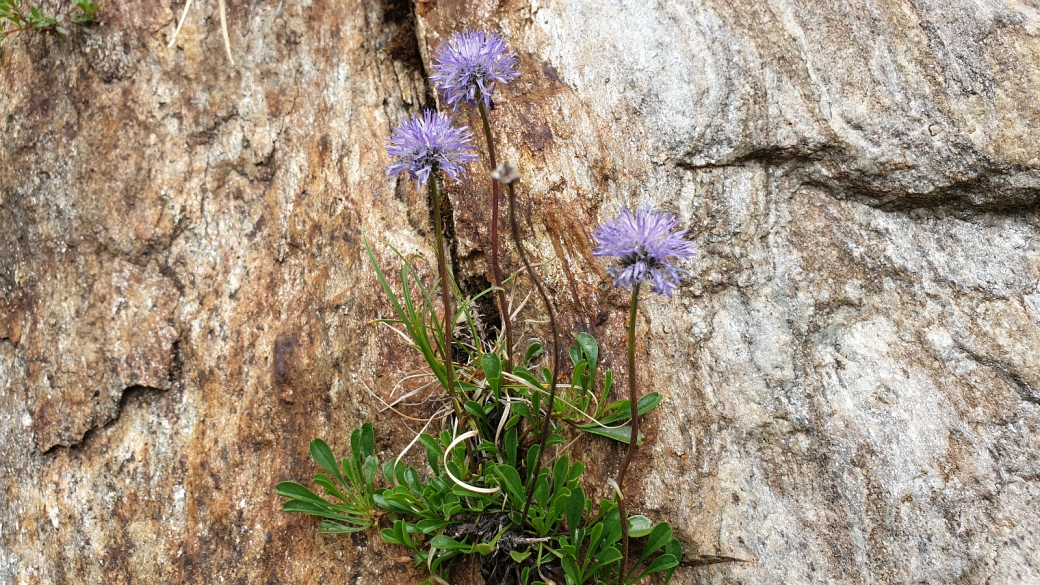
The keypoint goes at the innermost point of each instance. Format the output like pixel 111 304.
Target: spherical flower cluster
pixel 643 244
pixel 428 145
pixel 469 66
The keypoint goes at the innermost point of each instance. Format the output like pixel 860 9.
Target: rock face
pixel 851 371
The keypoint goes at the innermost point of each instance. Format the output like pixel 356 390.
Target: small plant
pixel 497 485
pixel 356 509
pixel 585 409
pixel 16 17
pixel 643 245
pixel 468 68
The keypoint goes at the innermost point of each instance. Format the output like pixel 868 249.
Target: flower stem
pixel 449 315
pixel 496 269
pixel 634 437
pixel 508 176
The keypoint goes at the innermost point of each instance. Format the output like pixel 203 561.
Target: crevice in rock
pixel 400 23
pixel 176 373
pixel 705 560
pixel 488 319
pixel 129 393
pixel 1026 391
pixel 1001 190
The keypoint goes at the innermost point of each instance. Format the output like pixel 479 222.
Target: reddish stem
pixel 496 269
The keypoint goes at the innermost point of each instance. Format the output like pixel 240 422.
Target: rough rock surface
pixel 851 371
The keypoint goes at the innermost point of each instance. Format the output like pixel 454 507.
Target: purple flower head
pixel 428 145
pixel 643 244
pixel 472 63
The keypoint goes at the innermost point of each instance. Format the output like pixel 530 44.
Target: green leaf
pixel 526 375
pixel 532 457
pixel 557 505
pixel 394 503
pixel 447 543
pixel 322 455
pixel 595 536
pixel 411 479
pixel 330 527
pixel 399 474
pixel 661 563
pixel 433 451
pixel 576 470
pixel 520 557
pixel 659 536
pixel 541 488
pixel 314 510
pixel 620 434
pixel 355 446
pixel 492 367
pixel 621 409
pixel 612 524
pixel 388 536
pixel 295 491
pixel 476 411
pixel 414 322
pixel 431 443
pixel 368 440
pixel 87 6
pixel 430 525
pixel 439 485
pixel 370 467
pixel 488 447
pixel 578 375
pixel 560 473
pixel 575 356
pixel 330 487
pixel 675 549
pixel 608 556
pixel 513 420
pixel 533 351
pixel 575 509
pixel 511 482
pixel 570 569
pixel 400 531
pixel 388 470
pixel 639 526
pixel 590 348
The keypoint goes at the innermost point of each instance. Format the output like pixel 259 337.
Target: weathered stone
pixel 98 327
pixel 851 377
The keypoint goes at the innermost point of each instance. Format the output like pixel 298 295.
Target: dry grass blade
pixel 416 438
pixel 392 409
pixel 177 31
pixel 223 28
pixel 459 482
